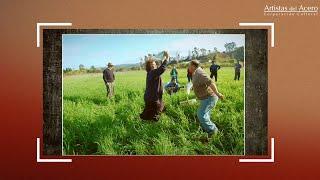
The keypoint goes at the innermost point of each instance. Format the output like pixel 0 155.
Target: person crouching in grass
pixel 207 92
pixel 153 93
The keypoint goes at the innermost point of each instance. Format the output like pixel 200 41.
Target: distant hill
pixel 127 65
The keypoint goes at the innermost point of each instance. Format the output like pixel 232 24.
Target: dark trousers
pixel 237 75
pixel 152 110
pixel 215 74
pixel 189 78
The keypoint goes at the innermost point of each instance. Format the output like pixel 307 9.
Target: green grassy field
pixel 94 125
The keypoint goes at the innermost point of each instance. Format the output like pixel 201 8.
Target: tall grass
pixel 92 124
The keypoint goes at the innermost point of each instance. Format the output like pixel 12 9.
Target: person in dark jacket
pixel 237 68
pixel 108 78
pixel 173 86
pixel 154 90
pixel 214 71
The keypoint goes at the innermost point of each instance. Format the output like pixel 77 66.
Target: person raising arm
pixel 154 105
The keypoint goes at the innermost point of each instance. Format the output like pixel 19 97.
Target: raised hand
pixel 166 55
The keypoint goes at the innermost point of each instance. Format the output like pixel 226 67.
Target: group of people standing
pixel 204 88
pixel 215 67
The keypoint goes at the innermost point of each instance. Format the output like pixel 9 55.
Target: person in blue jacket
pixel 173 86
pixel 214 70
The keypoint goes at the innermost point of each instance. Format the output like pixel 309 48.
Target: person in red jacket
pixel 189 75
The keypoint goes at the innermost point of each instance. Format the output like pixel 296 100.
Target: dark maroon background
pixel 293 88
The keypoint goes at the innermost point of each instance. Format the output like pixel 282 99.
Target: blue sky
pixel 99 49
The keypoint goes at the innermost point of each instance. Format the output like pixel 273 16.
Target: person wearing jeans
pixel 207 92
pixel 204 112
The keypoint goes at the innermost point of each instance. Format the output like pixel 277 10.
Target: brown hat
pixel 110 65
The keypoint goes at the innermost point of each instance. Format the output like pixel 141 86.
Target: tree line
pixel 231 55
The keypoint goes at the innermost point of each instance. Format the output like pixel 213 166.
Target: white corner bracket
pixel 271 160
pixel 49 160
pixel 48 24
pixel 262 24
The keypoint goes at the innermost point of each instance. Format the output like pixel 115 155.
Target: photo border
pixel 52 52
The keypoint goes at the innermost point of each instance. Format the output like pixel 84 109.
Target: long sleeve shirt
pixel 108 75
pixel 154 88
pixel 237 67
pixel 189 74
pixel 201 84
pixel 174 72
pixel 214 68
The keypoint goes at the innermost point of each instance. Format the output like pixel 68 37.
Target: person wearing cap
pixel 207 92
pixel 154 105
pixel 108 77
